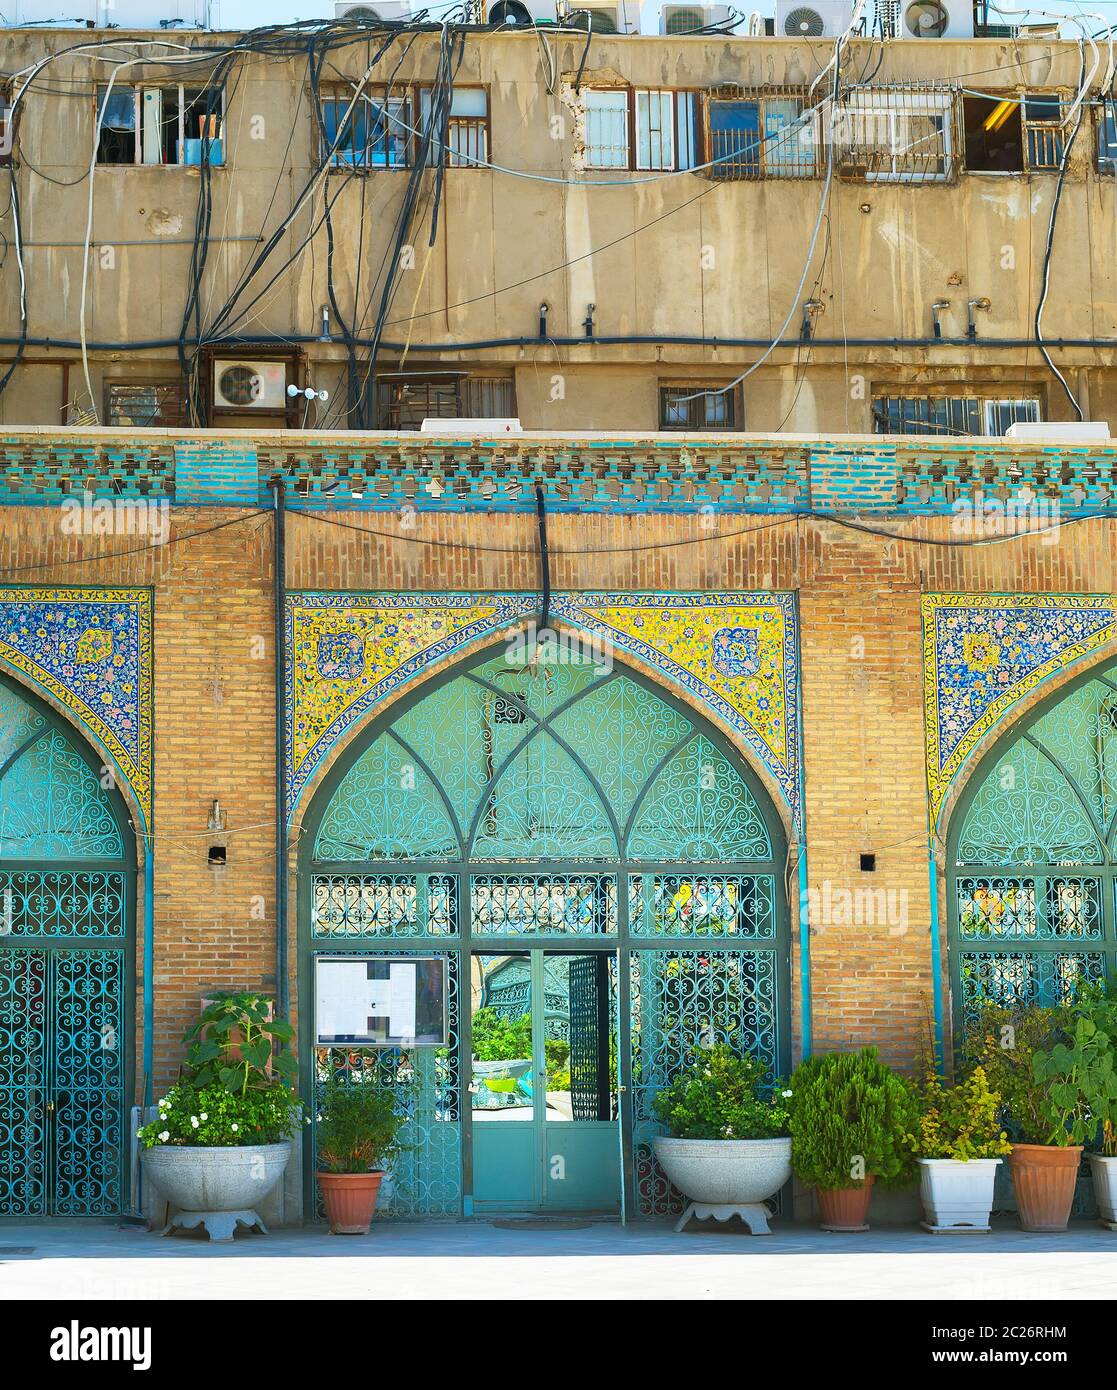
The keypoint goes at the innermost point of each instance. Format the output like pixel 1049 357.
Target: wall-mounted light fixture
pixel 587 322
pixel 324 336
pixel 544 309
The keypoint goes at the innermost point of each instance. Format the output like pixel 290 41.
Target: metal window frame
pixel 137 89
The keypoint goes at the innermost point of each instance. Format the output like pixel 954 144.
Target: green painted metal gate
pixel 1032 855
pixel 568 809
pixel 65 972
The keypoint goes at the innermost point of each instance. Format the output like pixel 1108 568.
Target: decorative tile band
pixel 735 653
pixel 91 650
pixel 982 653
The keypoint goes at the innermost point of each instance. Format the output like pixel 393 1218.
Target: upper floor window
pixel 169 124
pixel 763 136
pixel 7 124
pixel 383 129
pixel 146 404
pixel 951 415
pixel 1011 133
pixel 894 136
pixel 641 128
pixel 405 400
pixel 697 406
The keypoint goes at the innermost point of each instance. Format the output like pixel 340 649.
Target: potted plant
pixel 850 1118
pixel 221 1141
pixel 1099 1004
pixel 728 1149
pixel 958 1143
pixel 1053 1069
pixel 357 1133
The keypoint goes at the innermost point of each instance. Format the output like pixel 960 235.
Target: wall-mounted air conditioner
pixel 936 19
pixel 602 16
pixel 521 14
pixel 691 19
pixel 240 384
pixel 120 14
pixel 887 19
pixel 816 19
pixel 381 12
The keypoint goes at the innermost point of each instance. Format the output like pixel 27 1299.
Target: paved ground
pixel 478 1260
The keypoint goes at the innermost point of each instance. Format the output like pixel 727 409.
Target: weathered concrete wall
pixel 678 255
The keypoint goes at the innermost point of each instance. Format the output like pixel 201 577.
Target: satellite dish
pixel 803 23
pixel 510 14
pixel 926 19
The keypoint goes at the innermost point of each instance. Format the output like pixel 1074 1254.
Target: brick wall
pixel 214 703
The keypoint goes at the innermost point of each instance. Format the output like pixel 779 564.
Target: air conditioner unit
pixel 818 19
pixel 239 384
pixel 690 19
pixel 383 12
pixel 521 14
pixel 602 16
pixel 936 19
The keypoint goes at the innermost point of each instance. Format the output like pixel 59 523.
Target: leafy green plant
pixel 237 1044
pixel 850 1118
pixel 1098 1002
pixel 1004 1043
pixel 1079 1078
pixel 722 1096
pixel 499 1039
pixel 959 1121
pixel 213 1116
pixel 358 1126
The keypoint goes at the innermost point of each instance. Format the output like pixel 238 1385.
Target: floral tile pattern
pixel 736 653
pixel 91 650
pixel 983 652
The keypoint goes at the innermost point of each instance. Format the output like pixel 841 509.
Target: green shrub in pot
pixel 357 1135
pixel 850 1118
pixel 723 1096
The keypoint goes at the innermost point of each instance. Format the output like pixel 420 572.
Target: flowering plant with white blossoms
pixel 724 1096
pixel 213 1117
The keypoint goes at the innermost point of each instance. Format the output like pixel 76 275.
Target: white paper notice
pixel 401 1006
pixel 343 990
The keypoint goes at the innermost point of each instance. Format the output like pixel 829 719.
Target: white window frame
pixel 624 161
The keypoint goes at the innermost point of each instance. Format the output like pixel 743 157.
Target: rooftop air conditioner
pixel 936 19
pixel 383 12
pixel 239 384
pixel 691 19
pixel 521 14
pixel 602 16
pixel 888 19
pixel 818 19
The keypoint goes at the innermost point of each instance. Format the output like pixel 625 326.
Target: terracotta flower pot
pixel 846 1208
pixel 350 1201
pixel 1044 1178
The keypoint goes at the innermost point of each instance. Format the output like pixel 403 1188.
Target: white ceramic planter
pixel 215 1187
pixel 1104 1172
pixel 957 1195
pixel 726 1177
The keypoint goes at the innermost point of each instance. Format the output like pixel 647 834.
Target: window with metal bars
pixel 1107 137
pixel 697 406
pixel 7 123
pixel 406 401
pixel 1009 133
pixel 894 136
pixel 951 415
pixel 145 404
pixel 771 135
pixel 642 128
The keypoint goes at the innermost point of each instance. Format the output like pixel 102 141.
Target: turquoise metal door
pixel 65 972
pixel 545 1123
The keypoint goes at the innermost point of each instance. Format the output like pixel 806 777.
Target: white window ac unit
pixel 816 19
pixel 936 19
pixel 382 12
pixel 602 16
pixel 521 14
pixel 689 19
pixel 239 384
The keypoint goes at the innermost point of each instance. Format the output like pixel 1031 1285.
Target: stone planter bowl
pixel 725 1177
pixel 215 1187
